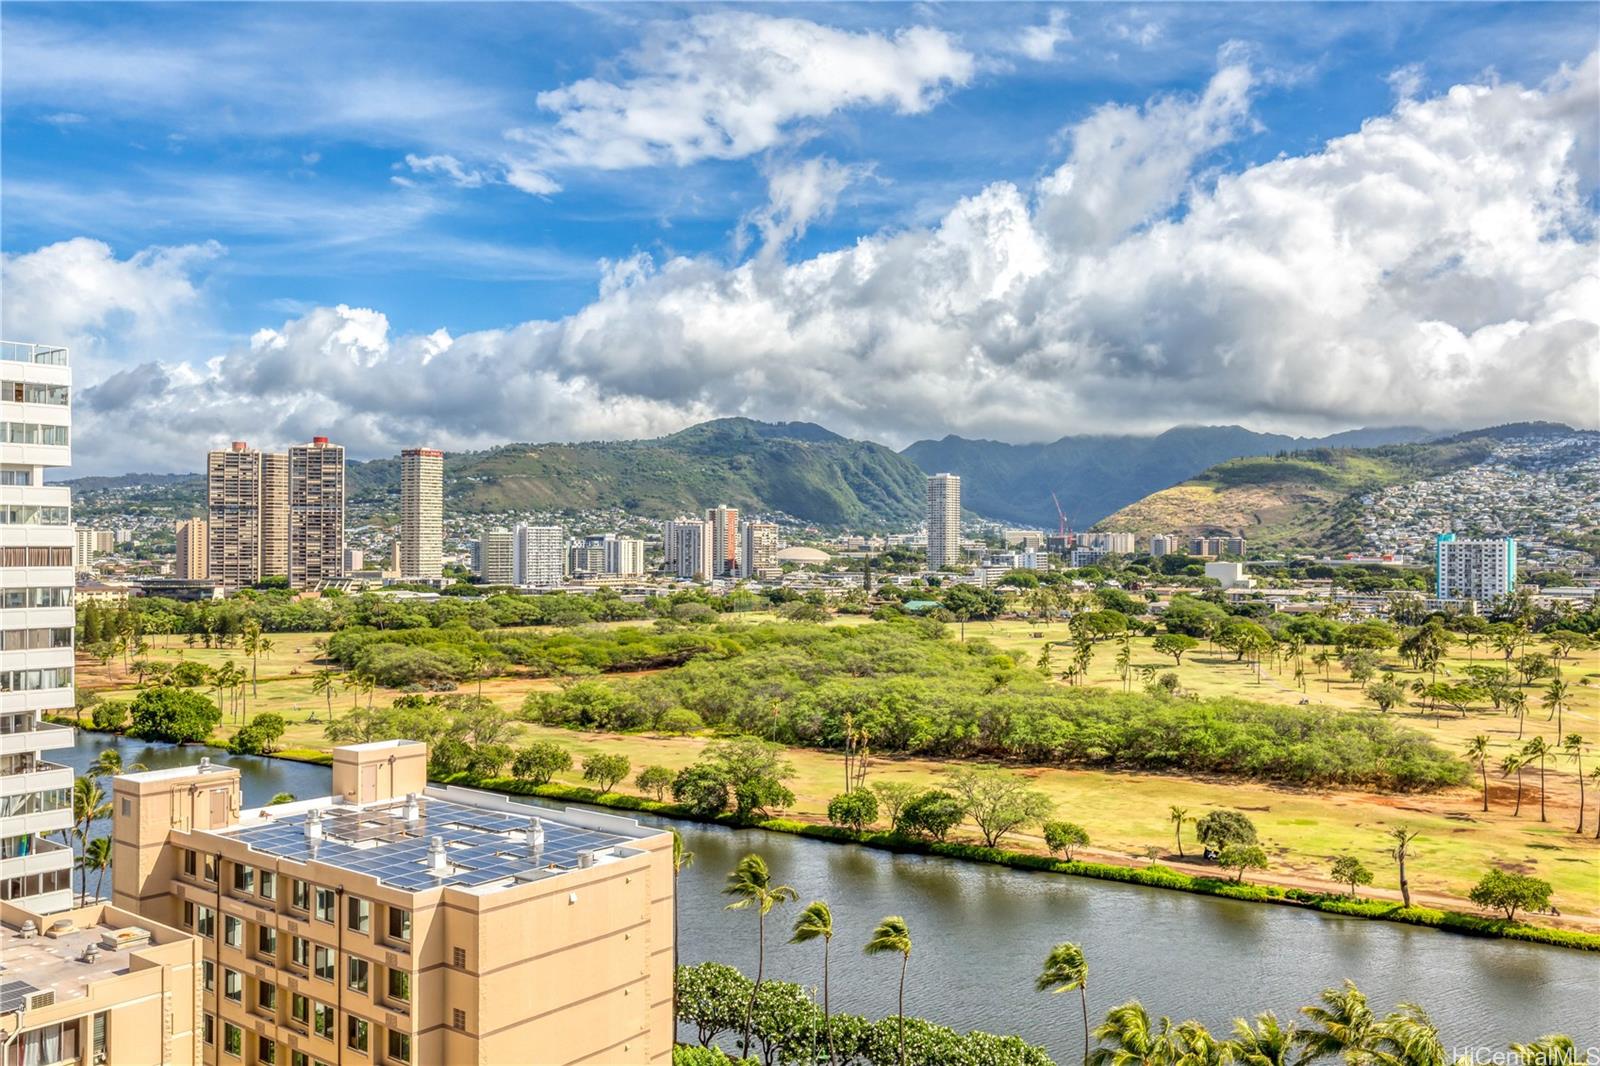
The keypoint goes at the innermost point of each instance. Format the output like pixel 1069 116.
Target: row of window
pixel 36 884
pixel 319 901
pixel 40 802
pixel 36 639
pixel 32 680
pixel 29 514
pixel 322 1018
pixel 34 433
pixel 17 599
pixel 16 475
pixel 320 960
pixel 357 1038
pixel 34 392
pixel 19 555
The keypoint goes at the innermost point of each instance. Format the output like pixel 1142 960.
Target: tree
pixel 893 797
pixel 750 883
pixel 1572 748
pixel 892 936
pixel 1349 870
pixel 710 996
pixel 1510 892
pixel 1178 815
pixel 1242 857
pixel 280 797
pixel 97 857
pixel 1066 970
pixel 1218 829
pixel 999 802
pixel 1514 763
pixel 1478 752
pixel 1175 645
pixel 1555 698
pixel 753 772
pixel 540 761
pixel 1344 1023
pixel 260 736
pixel 701 789
pixel 816 921
pixel 1403 839
pixel 933 814
pixel 654 781
pixel 174 715
pixel 323 681
pixel 1062 837
pixel 108 763
pixel 1386 694
pixel 605 770
pixel 857 809
pixel 1268 1043
pixel 1133 1038
pixel 1538 749
pixel 89 805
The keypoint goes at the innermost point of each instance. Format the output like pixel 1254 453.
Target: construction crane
pixel 1061 517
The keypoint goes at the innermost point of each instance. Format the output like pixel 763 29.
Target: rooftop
pixel 453 836
pixel 53 961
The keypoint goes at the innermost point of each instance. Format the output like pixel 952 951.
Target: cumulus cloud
pixel 800 193
pixel 1039 43
pixel 1436 265
pixel 732 84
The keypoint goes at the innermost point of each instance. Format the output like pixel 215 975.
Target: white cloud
pixel 1039 43
pixel 800 193
pixel 448 166
pixel 732 84
pixel 1437 265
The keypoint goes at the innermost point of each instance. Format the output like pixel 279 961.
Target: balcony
pixel 44 736
pixel 39 354
pixel 51 821
pixel 45 856
pixel 45 775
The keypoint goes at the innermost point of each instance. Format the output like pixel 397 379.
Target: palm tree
pixel 750 882
pixel 89 805
pixel 817 921
pixel 1572 747
pixel 1344 1024
pixel 1135 1040
pixel 1407 1037
pixel 1268 1043
pixel 1402 844
pixel 109 764
pixel 1517 704
pixel 1513 764
pixel 891 935
pixel 97 857
pixel 1178 816
pixel 1478 752
pixel 1555 697
pixel 1065 969
pixel 682 859
pixel 251 646
pixel 323 681
pixel 1538 749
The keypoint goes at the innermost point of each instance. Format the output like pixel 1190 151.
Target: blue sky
pixel 432 163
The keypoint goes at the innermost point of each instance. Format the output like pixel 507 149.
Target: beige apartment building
pixel 233 516
pixel 95 985
pixel 191 563
pixel 274 515
pixel 724 522
pixel 401 924
pixel 316 513
pixel 944 521
pixel 421 514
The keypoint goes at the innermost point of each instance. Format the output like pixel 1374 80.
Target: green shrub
pixel 110 716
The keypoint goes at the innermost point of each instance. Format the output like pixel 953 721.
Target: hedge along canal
pixel 981 929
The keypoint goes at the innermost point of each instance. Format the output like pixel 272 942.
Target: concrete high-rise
pixel 724 522
pixel 540 556
pixel 233 516
pixel 758 550
pixel 421 514
pixel 36 594
pixel 398 923
pixel 692 549
pixel 944 521
pixel 625 555
pixel 274 515
pixel 497 557
pixel 316 513
pixel 1478 570
pixel 190 564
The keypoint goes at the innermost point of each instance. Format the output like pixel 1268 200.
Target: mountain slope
pixel 1095 475
pixel 1305 499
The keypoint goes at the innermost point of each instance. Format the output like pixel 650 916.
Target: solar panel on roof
pixel 13 994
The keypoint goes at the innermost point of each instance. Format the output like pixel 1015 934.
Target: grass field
pixel 1126 814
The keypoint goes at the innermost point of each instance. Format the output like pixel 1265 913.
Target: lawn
pixel 1127 814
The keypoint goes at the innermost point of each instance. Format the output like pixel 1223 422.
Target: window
pixel 266 1050
pixel 358 974
pixel 458 1018
pixel 300 952
pixel 299 1058
pixel 300 896
pixel 300 1008
pixel 99 1052
pixel 244 878
pixel 269 885
pixel 324 911
pixel 399 1046
pixel 322 1020
pixel 188 915
pixel 458 957
pixel 400 986
pixel 52 1043
pixel 233 985
pixel 359 912
pixel 208 1027
pixel 325 962
pixel 357 1038
pixel 232 1039
pixel 267 996
pixel 208 869
pixel 208 970
pixel 189 863
pixel 267 942
pixel 400 925
pixel 205 922
pixel 232 931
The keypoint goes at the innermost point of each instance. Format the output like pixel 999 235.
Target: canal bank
pixel 981 930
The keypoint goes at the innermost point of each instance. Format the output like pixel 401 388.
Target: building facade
pixel 944 521
pixel 758 550
pixel 234 516
pixel 724 523
pixel 421 514
pixel 1217 546
pixel 692 550
pixel 191 564
pixel 316 513
pixel 36 594
pixel 274 515
pixel 1478 570
pixel 396 923
pixel 540 556
pixel 625 555
pixel 1163 544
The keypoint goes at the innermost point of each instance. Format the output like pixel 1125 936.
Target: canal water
pixel 980 932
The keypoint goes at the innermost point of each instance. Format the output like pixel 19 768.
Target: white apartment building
pixel 691 549
pixel 495 557
pixel 1163 544
pixel 421 514
pixel 36 634
pixel 758 550
pixel 540 556
pixel 1477 570
pixel 944 521
pixel 625 555
pixel 1119 543
pixel 316 513
pixel 83 548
